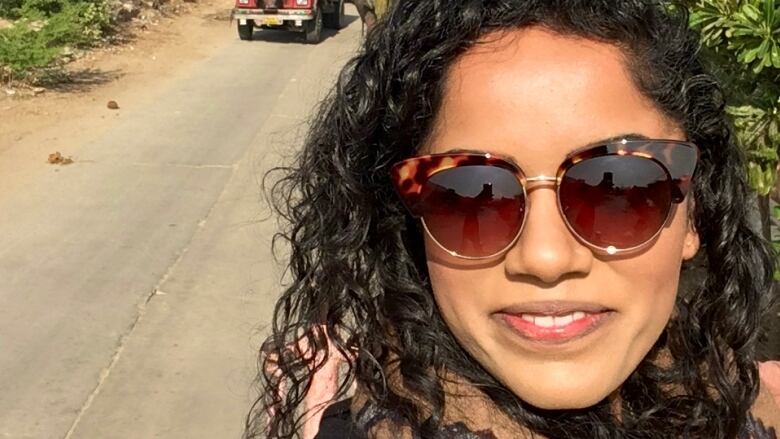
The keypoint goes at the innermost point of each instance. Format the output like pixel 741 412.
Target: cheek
pixel 649 300
pixel 461 294
pixel 654 276
pixel 454 293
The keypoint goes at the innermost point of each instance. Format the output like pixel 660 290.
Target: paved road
pixel 136 283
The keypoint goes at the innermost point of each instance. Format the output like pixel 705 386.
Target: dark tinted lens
pixel 474 211
pixel 620 201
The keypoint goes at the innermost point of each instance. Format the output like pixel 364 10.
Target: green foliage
pixel 741 39
pixel 754 35
pixel 77 24
pixel 44 28
pixel 45 8
pixel 23 49
pixel 8 8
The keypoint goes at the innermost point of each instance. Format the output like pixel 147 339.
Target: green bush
pixel 741 39
pixel 42 7
pixel 22 49
pixel 8 8
pixel 77 24
pixel 16 9
pixel 44 28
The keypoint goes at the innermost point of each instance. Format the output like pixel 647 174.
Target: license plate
pixel 272 21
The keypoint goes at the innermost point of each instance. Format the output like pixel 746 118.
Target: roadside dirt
pixel 78 110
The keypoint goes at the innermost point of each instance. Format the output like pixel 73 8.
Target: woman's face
pixel 535 96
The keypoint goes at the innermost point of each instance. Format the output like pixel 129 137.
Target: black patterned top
pixel 337 423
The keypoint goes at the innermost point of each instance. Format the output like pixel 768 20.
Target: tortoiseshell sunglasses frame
pixel 677 158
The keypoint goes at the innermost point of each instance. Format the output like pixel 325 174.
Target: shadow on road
pixel 79 80
pixel 289 37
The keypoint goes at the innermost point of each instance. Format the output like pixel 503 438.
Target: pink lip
pixel 554 307
pixel 557 335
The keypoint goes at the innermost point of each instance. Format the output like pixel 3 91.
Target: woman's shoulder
pixel 764 420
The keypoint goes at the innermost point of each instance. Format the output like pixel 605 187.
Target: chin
pixel 558 399
pixel 563 404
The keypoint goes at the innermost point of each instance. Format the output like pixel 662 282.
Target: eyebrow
pixel 627 136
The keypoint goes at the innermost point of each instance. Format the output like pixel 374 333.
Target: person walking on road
pixel 367 12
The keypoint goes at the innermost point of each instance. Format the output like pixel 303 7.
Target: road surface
pixel 137 282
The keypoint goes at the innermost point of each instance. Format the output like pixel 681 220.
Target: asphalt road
pixel 137 282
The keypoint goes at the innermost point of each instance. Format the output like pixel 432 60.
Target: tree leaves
pixel 742 38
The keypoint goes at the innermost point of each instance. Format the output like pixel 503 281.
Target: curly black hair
pixel 357 262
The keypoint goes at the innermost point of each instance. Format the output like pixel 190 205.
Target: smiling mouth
pixel 544 321
pixel 555 323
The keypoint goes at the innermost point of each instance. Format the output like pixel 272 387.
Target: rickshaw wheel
pixel 246 31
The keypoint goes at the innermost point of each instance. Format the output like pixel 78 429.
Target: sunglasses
pixel 614 197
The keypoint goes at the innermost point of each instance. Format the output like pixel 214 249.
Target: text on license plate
pixel 272 21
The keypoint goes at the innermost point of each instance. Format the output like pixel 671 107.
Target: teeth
pixel 550 321
pixel 544 322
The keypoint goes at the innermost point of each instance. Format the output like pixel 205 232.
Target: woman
pixel 491 220
pixel 366 11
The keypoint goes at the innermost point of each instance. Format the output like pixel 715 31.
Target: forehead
pixel 535 96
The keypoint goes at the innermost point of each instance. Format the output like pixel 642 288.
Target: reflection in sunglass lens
pixel 620 201
pixel 475 211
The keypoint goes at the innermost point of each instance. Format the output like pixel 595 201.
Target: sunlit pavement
pixel 137 282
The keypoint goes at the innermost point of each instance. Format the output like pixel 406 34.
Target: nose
pixel 546 250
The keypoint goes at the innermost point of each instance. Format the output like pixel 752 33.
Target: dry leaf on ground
pixel 58 159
